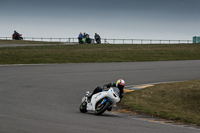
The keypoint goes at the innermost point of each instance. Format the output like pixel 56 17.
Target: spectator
pixel 80 37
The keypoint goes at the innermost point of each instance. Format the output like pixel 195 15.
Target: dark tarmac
pixel 45 98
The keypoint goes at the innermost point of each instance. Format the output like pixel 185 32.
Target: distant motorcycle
pixel 85 39
pixel 17 37
pixel 97 38
pixel 100 102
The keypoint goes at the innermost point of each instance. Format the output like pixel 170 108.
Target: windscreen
pixel 116 90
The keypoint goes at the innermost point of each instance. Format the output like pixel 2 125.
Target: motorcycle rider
pixel 97 38
pixel 87 38
pixel 15 35
pixel 119 84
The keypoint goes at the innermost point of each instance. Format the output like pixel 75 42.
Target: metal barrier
pixel 106 41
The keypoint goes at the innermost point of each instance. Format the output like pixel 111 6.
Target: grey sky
pixel 131 19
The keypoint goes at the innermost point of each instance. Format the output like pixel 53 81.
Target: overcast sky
pixel 124 19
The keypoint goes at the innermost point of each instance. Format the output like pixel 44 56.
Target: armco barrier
pixel 106 41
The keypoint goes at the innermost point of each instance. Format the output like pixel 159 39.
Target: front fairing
pixel 111 95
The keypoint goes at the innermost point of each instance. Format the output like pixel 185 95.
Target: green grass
pixel 178 101
pixel 88 53
pixel 25 42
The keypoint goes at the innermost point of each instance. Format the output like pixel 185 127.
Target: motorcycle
pixel 100 102
pixel 15 37
pixel 85 39
pixel 98 40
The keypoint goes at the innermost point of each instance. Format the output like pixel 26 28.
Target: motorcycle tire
pixel 98 41
pixel 83 107
pixel 103 107
pixel 89 41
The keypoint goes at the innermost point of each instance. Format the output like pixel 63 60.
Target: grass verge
pixel 25 42
pixel 178 101
pixel 88 53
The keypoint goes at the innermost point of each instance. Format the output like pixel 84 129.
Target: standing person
pixel 97 38
pixel 84 34
pixel 80 37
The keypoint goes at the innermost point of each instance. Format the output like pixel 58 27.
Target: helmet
pixel 120 83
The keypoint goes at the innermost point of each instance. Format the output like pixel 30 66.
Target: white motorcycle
pixel 101 101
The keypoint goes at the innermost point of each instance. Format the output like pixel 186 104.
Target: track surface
pixel 46 98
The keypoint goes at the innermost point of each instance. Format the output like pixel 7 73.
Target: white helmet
pixel 120 83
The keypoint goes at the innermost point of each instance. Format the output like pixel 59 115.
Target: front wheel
pixel 83 107
pixel 101 108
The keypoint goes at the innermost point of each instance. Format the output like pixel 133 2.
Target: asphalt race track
pixel 45 98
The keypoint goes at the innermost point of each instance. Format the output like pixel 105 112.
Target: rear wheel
pixel 83 107
pixel 101 108
pixel 89 40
